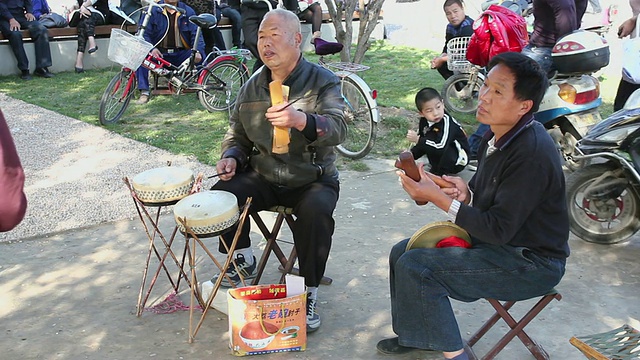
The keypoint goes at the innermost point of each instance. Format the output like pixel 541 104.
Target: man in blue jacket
pixel 175 47
pixel 16 15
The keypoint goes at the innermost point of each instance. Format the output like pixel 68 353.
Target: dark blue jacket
pixel 9 9
pixel 157 27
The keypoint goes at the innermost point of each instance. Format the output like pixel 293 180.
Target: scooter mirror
pixel 633 102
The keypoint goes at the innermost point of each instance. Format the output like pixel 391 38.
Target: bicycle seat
pixel 204 20
pixel 326 48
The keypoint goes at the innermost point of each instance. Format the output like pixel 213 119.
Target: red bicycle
pixel 216 80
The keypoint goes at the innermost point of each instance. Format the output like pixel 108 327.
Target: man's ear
pixel 298 39
pixel 525 106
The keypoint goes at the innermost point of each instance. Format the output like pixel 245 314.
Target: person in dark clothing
pixel 212 37
pixel 519 228
pixel 90 14
pixel 306 177
pixel 439 135
pixel 459 25
pixel 13 202
pixel 175 47
pixel 14 16
pixel 252 14
pixel 231 10
pixel 309 11
pixel 552 19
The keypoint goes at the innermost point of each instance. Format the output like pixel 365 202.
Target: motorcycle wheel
pixel 465 100
pixel 602 221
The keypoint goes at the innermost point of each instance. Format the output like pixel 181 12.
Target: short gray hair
pixel 288 17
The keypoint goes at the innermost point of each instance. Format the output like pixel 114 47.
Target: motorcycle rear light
pixel 374 94
pixel 567 46
pixel 586 97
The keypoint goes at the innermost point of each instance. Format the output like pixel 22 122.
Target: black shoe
pixel 25 75
pixel 43 72
pixel 93 49
pixel 392 347
pixel 79 70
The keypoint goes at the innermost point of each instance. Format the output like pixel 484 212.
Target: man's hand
pixel 438 61
pixel 425 190
pixel 30 17
pixel 228 166
pixel 156 53
pixel 460 192
pixel 14 25
pixel 198 57
pixel 627 27
pixel 286 116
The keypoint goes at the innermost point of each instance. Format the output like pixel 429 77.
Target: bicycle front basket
pixel 457 54
pixel 126 49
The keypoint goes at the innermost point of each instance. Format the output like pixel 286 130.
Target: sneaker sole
pixel 225 282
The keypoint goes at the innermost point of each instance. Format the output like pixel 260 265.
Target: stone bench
pixel 63 44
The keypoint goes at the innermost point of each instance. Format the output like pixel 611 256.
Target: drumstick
pixel 218 174
pixel 280 135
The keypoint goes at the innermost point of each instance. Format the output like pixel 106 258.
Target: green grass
pixel 180 124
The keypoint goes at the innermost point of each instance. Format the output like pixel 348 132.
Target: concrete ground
pixel 72 295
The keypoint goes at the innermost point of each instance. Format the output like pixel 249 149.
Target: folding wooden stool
pixel 517 327
pixel 617 344
pixel 271 236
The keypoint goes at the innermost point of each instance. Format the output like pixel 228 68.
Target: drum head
pixel 162 186
pixel 207 213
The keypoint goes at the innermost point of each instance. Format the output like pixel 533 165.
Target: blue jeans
pixel 176 59
pixel 474 139
pixel 423 280
pixel 542 55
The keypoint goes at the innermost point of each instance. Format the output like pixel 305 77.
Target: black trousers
pixel 625 89
pixel 251 18
pixel 313 207
pixel 40 37
pixel 87 27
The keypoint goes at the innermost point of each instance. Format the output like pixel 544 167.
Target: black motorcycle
pixel 603 196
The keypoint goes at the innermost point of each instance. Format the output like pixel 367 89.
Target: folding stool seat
pixel 517 327
pixel 271 236
pixel 620 343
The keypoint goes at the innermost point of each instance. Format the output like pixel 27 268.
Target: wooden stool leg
pixel 517 327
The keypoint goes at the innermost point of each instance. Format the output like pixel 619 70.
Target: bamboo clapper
pixel 281 136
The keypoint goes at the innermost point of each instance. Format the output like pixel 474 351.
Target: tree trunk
pixel 369 13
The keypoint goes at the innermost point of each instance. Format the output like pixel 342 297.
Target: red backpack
pixel 497 30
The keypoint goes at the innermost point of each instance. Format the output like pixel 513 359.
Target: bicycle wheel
pixel 116 97
pixel 222 83
pixel 359 116
pixel 459 96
